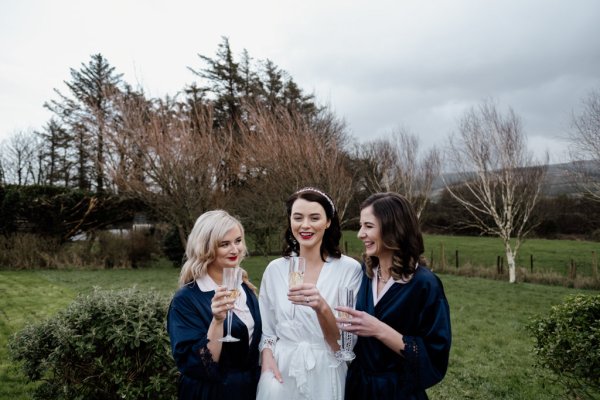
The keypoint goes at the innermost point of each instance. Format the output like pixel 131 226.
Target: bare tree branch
pixel 585 144
pixel 395 164
pixel 500 182
pixel 160 159
pixel 20 159
pixel 283 151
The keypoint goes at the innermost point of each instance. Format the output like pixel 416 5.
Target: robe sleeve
pixel 267 312
pixel 188 329
pixel 427 353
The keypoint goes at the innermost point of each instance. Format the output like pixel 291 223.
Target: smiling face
pixel 370 234
pixel 308 223
pixel 229 249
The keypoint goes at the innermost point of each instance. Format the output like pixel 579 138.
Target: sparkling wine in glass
pixel 345 299
pixel 296 274
pixel 232 279
pixel 234 293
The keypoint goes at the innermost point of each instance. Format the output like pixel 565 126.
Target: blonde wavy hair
pixel 202 244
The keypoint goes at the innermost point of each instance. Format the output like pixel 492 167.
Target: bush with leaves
pixel 568 343
pixel 60 212
pixel 172 247
pixel 105 345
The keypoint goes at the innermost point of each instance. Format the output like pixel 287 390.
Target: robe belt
pixel 302 360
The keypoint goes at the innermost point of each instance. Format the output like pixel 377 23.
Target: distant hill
pixel 560 178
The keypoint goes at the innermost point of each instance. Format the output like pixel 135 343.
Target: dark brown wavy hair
pixel 400 232
pixel 330 246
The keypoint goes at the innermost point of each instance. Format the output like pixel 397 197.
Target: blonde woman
pixel 211 369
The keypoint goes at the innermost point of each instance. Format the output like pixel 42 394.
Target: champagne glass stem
pixel 229 316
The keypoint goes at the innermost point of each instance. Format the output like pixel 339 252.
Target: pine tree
pixel 272 84
pixel 225 83
pixel 55 153
pixel 88 112
pixel 194 103
pixel 232 85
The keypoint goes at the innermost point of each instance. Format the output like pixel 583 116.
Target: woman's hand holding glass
pixel 221 302
pixel 232 279
pixel 358 322
pixel 306 294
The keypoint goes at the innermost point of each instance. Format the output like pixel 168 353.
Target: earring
pixel 291 239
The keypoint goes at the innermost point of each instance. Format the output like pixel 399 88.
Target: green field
pixel 491 355
pixel 548 255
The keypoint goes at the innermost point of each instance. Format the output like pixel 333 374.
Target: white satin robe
pixel 307 364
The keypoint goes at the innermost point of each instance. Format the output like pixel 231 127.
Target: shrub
pixel 103 250
pixel 105 345
pixel 112 250
pixel 144 247
pixel 595 235
pixel 172 247
pixel 27 251
pixel 61 212
pixel 133 248
pixel 568 343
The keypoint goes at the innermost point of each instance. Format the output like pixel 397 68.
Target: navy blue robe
pixel 420 312
pixel 236 374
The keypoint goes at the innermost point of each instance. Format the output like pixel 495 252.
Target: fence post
pixel 442 256
pixel 456 252
pixel 531 261
pixel 573 272
pixel 498 265
pixel 345 247
pixel 431 261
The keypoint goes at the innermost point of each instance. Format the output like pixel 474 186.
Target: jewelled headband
pixel 311 189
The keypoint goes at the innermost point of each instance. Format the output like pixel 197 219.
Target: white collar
pixel 206 283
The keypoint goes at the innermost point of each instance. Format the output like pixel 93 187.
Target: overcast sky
pixel 380 65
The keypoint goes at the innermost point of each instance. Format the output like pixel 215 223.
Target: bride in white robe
pixel 297 353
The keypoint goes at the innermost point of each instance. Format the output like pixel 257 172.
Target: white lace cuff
pixel 267 342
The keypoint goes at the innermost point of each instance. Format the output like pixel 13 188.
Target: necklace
pixel 380 278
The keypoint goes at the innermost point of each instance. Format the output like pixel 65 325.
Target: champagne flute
pixel 345 299
pixel 296 274
pixel 232 277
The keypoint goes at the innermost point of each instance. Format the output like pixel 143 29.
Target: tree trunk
pixel 510 258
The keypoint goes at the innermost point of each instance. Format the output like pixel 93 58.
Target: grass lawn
pixel 490 357
pixel 548 255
